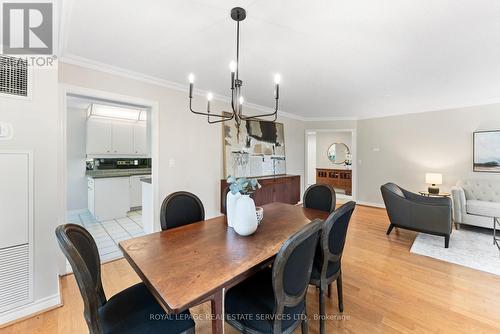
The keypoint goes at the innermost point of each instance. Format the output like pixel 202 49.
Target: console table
pixel 337 178
pixel 279 188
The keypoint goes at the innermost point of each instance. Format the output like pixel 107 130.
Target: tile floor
pixel 109 233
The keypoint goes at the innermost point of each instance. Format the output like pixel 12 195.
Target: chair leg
pixel 330 290
pixel 339 292
pixel 446 241
pixel 304 326
pixel 321 311
pixel 389 230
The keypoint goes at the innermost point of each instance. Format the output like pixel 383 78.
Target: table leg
pixel 217 303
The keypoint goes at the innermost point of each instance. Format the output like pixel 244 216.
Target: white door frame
pixel 353 152
pixel 64 90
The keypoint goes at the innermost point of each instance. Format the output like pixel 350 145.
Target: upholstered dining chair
pixel 273 300
pixel 181 208
pixel 327 261
pixel 128 311
pixel 320 197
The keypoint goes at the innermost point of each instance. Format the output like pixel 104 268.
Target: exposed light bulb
pixel 277 79
pixel 210 96
pixel 241 100
pixel 191 78
pixel 232 66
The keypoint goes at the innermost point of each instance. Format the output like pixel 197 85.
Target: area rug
pixel 470 247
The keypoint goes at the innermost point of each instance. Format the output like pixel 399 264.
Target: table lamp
pixel 433 179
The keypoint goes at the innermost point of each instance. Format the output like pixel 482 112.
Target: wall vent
pixel 15 280
pixel 14 76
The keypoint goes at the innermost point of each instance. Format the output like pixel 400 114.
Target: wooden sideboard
pixel 337 178
pixel 282 188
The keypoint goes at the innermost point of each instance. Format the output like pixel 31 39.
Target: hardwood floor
pixel 386 290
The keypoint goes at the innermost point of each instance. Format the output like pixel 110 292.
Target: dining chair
pixel 133 310
pixel 181 208
pixel 273 300
pixel 223 200
pixel 327 260
pixel 321 197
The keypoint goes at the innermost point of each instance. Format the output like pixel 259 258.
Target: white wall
pixel 76 143
pixel 323 142
pixel 311 158
pixel 193 144
pixel 36 128
pixel 402 149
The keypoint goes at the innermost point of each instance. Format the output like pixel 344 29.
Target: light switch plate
pixel 6 131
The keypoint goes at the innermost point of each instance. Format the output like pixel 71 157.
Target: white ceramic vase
pixel 231 207
pixel 245 219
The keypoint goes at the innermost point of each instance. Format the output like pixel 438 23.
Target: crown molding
pixel 118 71
pixel 330 119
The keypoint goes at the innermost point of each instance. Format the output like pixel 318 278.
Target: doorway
pixel 108 160
pixel 323 165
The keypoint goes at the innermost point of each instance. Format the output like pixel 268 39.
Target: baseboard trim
pixel 30 310
pixel 372 204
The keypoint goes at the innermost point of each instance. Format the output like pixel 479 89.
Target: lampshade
pixel 433 178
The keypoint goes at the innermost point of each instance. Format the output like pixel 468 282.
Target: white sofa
pixel 476 202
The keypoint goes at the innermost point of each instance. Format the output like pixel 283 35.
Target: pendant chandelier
pixel 238 14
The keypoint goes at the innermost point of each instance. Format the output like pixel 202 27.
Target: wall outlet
pixel 171 162
pixel 6 131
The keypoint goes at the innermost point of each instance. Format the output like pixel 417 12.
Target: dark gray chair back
pixel 181 208
pixel 321 197
pixel 292 269
pixel 81 251
pixel 224 200
pixel 334 235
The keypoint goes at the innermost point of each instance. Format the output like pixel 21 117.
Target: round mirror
pixel 338 153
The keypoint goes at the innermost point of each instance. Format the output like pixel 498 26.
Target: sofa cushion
pixel 483 208
pixel 481 190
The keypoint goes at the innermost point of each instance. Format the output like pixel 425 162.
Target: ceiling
pixel 352 59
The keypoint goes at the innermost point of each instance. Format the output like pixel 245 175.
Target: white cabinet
pixel 99 137
pixel 107 137
pixel 109 198
pixel 135 191
pixel 14 199
pixel 16 229
pixel 123 138
pixel 140 139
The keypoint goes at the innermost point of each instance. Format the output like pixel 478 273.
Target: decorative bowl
pixel 260 213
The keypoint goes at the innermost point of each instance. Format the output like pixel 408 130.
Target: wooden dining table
pixel 195 263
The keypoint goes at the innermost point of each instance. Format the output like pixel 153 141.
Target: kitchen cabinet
pixel 135 191
pixel 141 139
pixel 109 197
pixel 123 138
pixel 112 197
pixel 112 138
pixel 99 137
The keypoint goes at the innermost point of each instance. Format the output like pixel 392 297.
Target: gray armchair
pixel 431 215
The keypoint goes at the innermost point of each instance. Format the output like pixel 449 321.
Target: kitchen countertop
pixel 104 173
pixel 145 179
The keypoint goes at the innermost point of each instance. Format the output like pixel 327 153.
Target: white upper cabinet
pixel 107 137
pixel 99 137
pixel 123 138
pixel 140 139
